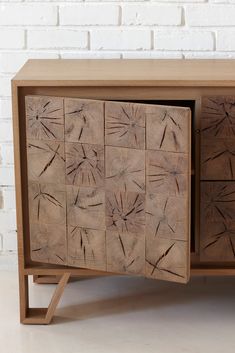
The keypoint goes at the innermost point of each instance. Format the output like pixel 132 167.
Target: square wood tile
pixel 46 161
pixel 125 124
pixel 166 173
pixel 125 252
pixel 47 203
pixel 125 212
pixel 125 169
pixel 48 243
pixel 84 164
pixel 44 118
pixel 84 121
pixel 167 128
pixel 86 207
pixel 86 248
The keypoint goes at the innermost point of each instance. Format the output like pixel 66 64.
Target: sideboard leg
pixel 44 279
pixel 40 316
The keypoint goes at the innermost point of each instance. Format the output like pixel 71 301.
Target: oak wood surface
pixel 112 200
pixel 126 72
pixel 213 77
pixel 217 221
pixel 218 138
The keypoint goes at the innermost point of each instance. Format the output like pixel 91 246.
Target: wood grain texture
pixel 217 237
pixel 44 117
pixel 86 248
pixel 46 161
pixel 167 128
pixel 86 207
pixel 166 259
pixel 125 212
pixel 84 164
pixel 48 243
pixel 125 124
pixel 218 159
pixel 217 201
pixel 125 169
pixel 125 252
pixel 47 203
pixel 218 117
pixel 218 241
pixel 166 216
pixel 84 121
pixel 116 74
pixel 218 138
pixel 106 188
pixel 167 173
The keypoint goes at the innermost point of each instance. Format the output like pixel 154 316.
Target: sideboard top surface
pixel 127 72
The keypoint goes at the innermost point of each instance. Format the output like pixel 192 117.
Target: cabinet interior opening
pixel 194 171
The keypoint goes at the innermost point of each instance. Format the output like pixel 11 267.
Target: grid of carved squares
pixel 217 235
pixel 108 185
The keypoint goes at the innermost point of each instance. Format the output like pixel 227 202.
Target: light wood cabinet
pixel 123 167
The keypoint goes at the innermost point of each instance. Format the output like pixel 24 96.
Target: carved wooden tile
pixel 217 242
pixel 48 243
pixel 125 169
pixel 125 212
pixel 217 201
pixel 86 207
pixel 167 173
pixel 46 161
pixel 86 248
pixel 84 121
pixel 45 118
pixel 218 159
pixel 167 259
pixel 47 203
pixel 167 217
pixel 218 117
pixel 84 164
pixel 125 124
pixel 167 128
pixel 125 252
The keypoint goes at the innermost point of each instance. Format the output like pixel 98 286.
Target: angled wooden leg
pixel 40 316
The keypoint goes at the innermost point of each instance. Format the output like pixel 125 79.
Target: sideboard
pixel 123 167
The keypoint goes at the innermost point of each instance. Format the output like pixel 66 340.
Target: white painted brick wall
pixel 98 29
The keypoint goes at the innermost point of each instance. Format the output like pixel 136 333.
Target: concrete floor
pixel 124 315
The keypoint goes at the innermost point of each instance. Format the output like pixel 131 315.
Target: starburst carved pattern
pixel 125 124
pixel 86 248
pixel 86 207
pixel 48 243
pixel 125 252
pixel 84 164
pixel 125 169
pixel 125 212
pixel 167 128
pixel 46 161
pixel 84 121
pixel 218 241
pixel 47 203
pixel 218 117
pixel 217 221
pixel 45 118
pixel 167 173
pixel 166 216
pixel 166 259
pixel 218 160
pixel 111 197
pixel 217 201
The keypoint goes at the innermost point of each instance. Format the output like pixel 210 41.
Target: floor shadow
pixel 152 296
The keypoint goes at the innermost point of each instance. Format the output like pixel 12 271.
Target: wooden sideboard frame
pixel 24 84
